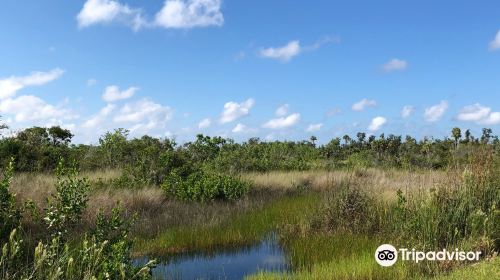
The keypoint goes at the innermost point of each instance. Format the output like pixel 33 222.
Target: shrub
pixel 104 254
pixel 9 215
pixel 205 186
pixel 68 203
pixel 348 210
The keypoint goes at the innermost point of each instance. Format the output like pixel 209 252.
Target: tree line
pixel 39 149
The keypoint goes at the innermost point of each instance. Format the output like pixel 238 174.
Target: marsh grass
pixel 383 182
pixel 237 230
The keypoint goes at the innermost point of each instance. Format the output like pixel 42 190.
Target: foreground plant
pixel 104 253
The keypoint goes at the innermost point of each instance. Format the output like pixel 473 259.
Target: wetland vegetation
pixel 118 209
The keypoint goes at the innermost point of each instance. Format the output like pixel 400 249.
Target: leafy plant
pixel 205 186
pixel 9 214
pixel 69 202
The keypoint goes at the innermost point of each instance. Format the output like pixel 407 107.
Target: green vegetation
pixel 339 242
pixel 330 205
pixel 205 186
pixel 244 229
pixel 104 254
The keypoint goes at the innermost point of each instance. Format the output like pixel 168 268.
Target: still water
pixel 228 264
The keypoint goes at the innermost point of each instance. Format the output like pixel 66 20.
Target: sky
pixel 278 70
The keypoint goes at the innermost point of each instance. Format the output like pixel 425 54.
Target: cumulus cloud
pixel 11 85
pixel 241 128
pixel 205 123
pixel 174 14
pixel 190 13
pixel 99 118
pixel 376 123
pixel 492 119
pixel 140 117
pixel 31 108
pixel 314 127
pixel 282 122
pixel 233 110
pixel 143 110
pixel 107 11
pixel 113 93
pixel 407 111
pixel 282 110
pixel 395 65
pixel 363 104
pixel 434 113
pixel 495 44
pixel 479 114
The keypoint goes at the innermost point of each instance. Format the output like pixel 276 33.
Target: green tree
pixel 313 140
pixel 59 136
pixel 457 135
pixel 113 145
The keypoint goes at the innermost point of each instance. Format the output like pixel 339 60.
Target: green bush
pixel 348 210
pixel 205 186
pixel 105 253
pixel 67 205
pixel 9 215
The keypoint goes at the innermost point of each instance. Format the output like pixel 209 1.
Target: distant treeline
pixel 39 149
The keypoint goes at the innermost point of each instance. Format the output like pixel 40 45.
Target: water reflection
pixel 232 264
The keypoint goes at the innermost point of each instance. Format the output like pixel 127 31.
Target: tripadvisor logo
pixel 387 255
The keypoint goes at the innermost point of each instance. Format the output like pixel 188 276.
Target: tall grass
pixel 237 230
pixel 339 242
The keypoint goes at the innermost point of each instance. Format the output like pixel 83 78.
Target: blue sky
pixel 272 69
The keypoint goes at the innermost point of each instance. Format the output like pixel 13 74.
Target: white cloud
pixel 233 110
pixel 434 113
pixel 189 14
pixel 376 123
pixel 107 11
pixel 479 114
pixel 407 111
pixel 495 44
pixel 474 112
pixel 100 117
pixel 241 128
pixel 282 110
pixel 314 127
pixel 174 14
pixel 492 119
pixel 285 53
pixel 205 123
pixel 141 117
pixel 395 65
pixel 293 48
pixel 11 85
pixel 144 110
pixel 282 122
pixel 363 104
pixel 31 108
pixel 113 93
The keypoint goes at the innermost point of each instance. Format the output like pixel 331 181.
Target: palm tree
pixel 313 139
pixel 347 139
pixel 457 135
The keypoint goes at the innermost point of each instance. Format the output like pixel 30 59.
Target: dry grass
pixel 156 213
pixel 383 182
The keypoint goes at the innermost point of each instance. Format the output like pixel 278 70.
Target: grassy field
pixel 327 227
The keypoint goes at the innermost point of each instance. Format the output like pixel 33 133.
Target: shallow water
pixel 232 264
